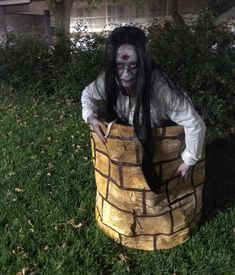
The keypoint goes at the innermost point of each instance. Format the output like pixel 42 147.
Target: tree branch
pixel 174 11
pixel 221 7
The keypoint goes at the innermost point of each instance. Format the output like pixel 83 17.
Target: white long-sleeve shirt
pixel 166 104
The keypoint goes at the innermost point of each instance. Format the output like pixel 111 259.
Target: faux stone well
pixel 126 209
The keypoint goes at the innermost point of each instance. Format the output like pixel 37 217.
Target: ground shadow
pixel 219 190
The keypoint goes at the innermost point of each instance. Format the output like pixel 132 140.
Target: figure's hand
pixel 183 170
pixel 96 127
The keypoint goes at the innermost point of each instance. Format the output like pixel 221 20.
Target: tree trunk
pixel 174 11
pixel 61 11
pixel 2 25
pixel 218 7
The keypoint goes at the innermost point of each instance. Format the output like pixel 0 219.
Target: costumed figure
pixel 147 142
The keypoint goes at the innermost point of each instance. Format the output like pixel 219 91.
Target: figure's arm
pixel 194 128
pixel 179 108
pixel 92 102
pixel 182 112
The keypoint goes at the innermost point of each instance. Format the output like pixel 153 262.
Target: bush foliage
pixel 202 60
pixel 200 57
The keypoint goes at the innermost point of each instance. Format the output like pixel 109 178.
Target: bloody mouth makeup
pixel 126 65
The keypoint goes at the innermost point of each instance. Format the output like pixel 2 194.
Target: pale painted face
pixel 126 64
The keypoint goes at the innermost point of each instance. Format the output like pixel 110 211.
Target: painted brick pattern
pixel 126 209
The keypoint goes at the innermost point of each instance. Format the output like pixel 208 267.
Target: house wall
pixel 34 8
pixel 105 16
pixel 26 19
pixel 2 24
pixel 34 17
pixel 28 24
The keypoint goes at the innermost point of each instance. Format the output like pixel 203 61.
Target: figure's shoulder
pixel 157 78
pixel 155 75
pixel 158 82
pixel 96 86
pixel 99 82
pixel 163 90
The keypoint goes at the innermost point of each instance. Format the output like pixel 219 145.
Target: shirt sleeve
pixel 194 129
pixel 92 100
pixel 180 109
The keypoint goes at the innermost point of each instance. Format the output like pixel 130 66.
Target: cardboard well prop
pixel 126 209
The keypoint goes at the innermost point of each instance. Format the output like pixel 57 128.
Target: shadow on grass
pixel 219 190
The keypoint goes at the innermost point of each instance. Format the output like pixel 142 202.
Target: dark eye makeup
pixel 122 66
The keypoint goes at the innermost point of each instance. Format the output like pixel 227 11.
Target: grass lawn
pixel 48 195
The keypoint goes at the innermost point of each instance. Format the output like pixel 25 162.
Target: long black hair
pixel 142 116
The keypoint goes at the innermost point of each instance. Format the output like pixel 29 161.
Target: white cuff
pixel 188 158
pixel 87 113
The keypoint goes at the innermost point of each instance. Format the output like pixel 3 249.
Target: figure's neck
pixel 130 91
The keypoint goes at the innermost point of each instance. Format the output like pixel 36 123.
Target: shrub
pixel 202 59
pixel 86 57
pixel 28 64
pixel 25 60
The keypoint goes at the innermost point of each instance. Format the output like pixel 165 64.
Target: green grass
pixel 47 188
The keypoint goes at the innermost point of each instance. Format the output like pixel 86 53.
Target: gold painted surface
pixel 110 233
pixel 122 131
pixel 127 200
pixel 101 183
pixel 139 242
pixel 97 142
pixel 134 178
pixel 121 150
pixel 154 225
pixel 102 163
pixel 116 219
pixel 129 212
pixel 199 175
pixel 99 204
pixel 182 216
pixel 115 173
pixel 166 242
pixel 169 168
pixel 167 149
pixel 173 131
pixel 199 190
pixel 179 188
pixel 156 203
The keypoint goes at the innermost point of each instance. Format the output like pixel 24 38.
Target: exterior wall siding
pixel 35 17
pixel 107 15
